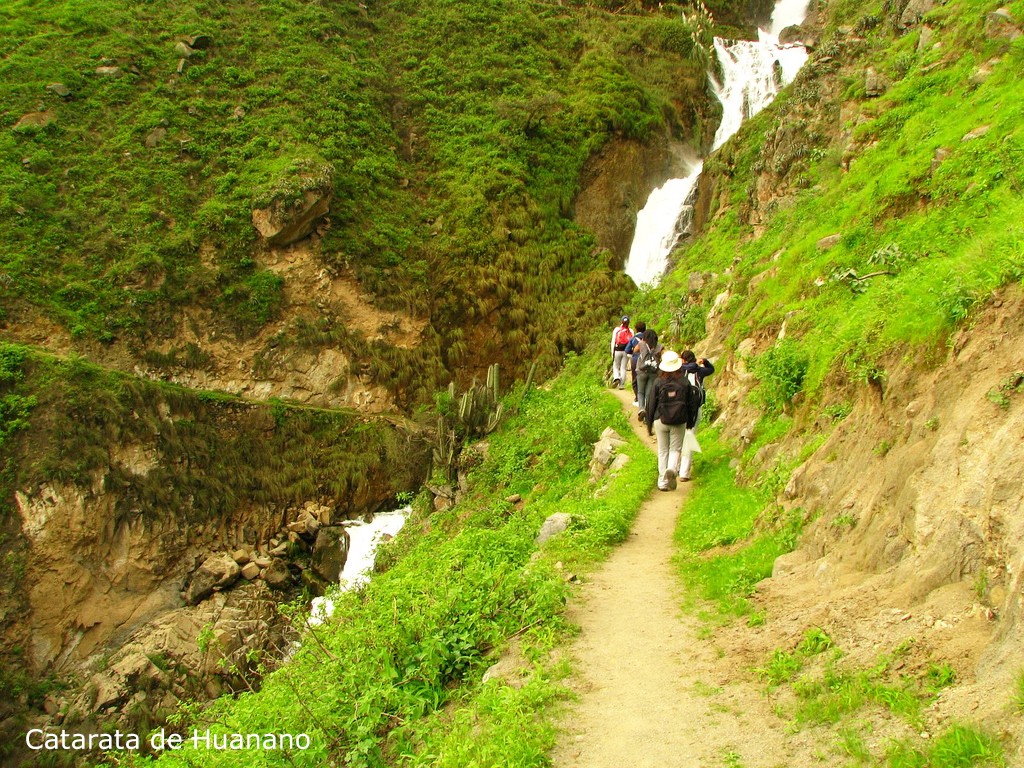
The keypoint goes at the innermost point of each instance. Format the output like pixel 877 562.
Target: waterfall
pixel 752 73
pixel 652 242
pixel 362 549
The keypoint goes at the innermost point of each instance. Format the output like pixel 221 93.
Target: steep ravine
pixel 152 517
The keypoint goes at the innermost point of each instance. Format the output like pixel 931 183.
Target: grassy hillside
pixel 920 186
pixel 453 135
pixel 395 676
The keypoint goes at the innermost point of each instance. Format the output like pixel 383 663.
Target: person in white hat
pixel 667 412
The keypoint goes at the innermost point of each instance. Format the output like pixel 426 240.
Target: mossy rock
pixel 290 209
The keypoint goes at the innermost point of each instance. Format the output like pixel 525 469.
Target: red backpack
pixel 622 336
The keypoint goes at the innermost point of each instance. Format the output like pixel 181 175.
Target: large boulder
pixel 216 573
pixel 277 575
pixel 556 524
pixel 290 210
pixel 330 552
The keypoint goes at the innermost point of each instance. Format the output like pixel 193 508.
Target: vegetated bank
pixel 376 196
pixel 396 674
pixel 858 276
pixel 128 506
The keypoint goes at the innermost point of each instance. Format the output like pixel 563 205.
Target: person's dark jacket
pixel 702 371
pixel 654 402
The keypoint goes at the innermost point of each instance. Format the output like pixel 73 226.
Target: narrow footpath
pixel 650 692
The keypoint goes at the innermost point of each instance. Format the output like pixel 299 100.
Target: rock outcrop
pixel 291 210
pixel 615 186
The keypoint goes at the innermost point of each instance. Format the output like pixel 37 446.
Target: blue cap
pixel 625 318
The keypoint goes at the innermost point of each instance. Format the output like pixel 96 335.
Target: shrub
pixel 781 371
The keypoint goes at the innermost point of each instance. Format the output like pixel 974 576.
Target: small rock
pixel 874 84
pixel 250 571
pixel 217 572
pixel 238 113
pixel 35 120
pixel 330 552
pixel 556 524
pixel 977 133
pixel 155 136
pixel 619 462
pixel 60 89
pixel 108 692
pixel 515 498
pixel 828 242
pixel 939 157
pixel 280 550
pixel 240 556
pixel 926 38
pixel 184 49
pixel 109 71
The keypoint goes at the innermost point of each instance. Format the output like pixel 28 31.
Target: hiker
pixel 620 338
pixel 631 350
pixel 667 414
pixel 649 352
pixel 698 370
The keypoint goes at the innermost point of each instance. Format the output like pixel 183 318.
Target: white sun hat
pixel 670 361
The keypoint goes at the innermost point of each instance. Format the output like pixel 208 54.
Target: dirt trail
pixel 650 692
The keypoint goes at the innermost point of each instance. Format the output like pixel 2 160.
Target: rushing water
pixel 752 73
pixel 362 549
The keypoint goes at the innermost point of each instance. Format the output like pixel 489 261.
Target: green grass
pixel 454 138
pixel 728 536
pixel 960 746
pixel 395 676
pixel 1017 697
pixel 946 237
pixel 827 691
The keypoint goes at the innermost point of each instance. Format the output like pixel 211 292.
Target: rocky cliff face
pixel 915 503
pixel 615 186
pixel 158 533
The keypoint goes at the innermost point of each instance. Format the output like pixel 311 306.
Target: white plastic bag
pixel 690 442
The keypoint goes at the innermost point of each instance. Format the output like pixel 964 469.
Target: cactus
pixel 479 413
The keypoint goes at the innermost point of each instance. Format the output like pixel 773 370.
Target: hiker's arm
pixel 706 368
pixel 652 406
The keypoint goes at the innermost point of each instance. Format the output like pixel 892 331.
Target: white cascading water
pixel 362 550
pixel 749 83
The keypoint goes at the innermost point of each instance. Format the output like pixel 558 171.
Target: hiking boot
pixel 670 479
pixel 615 383
pixel 642 414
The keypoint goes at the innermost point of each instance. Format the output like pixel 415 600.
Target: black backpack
pixel 679 400
pixel 700 395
